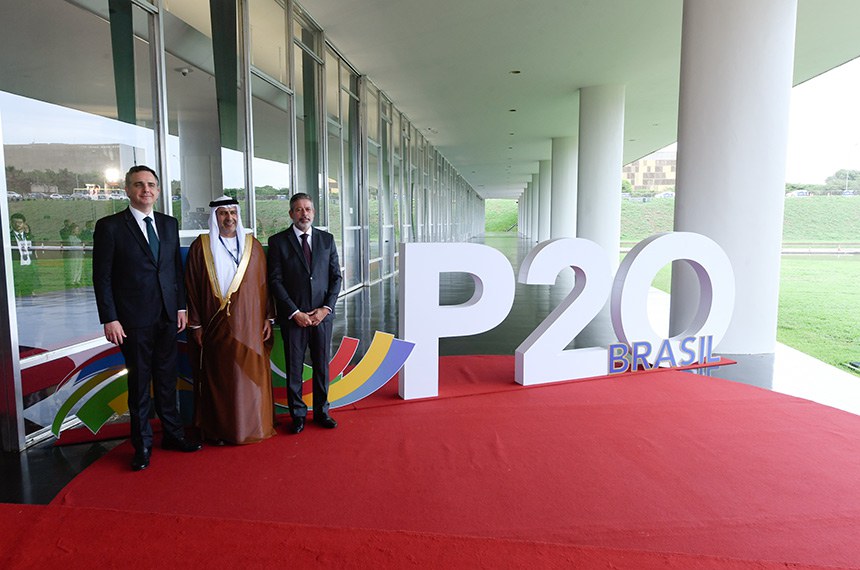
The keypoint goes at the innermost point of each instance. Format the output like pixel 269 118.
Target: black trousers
pixel 297 340
pixel 150 357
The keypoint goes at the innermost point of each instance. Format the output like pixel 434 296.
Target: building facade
pixel 244 97
pixel 653 173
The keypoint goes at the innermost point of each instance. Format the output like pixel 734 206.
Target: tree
pixel 843 180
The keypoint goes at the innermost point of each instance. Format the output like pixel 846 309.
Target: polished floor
pixel 36 475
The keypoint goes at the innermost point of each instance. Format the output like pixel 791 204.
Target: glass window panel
pixel 334 185
pixel 269 38
pixel 397 191
pixel 372 113
pixel 413 205
pixel 373 199
pixel 272 161
pixel 308 166
pixel 396 134
pixel 332 85
pixel 352 255
pixel 205 115
pixel 351 202
pixel 350 81
pixel 68 138
pixel 385 201
pixel 305 32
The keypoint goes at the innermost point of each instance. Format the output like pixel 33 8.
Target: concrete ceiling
pixel 448 66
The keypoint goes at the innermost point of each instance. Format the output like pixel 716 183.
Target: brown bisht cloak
pixel 232 375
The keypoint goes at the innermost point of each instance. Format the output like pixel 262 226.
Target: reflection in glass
pixel 308 164
pixel 332 86
pixel 205 119
pixel 62 161
pixel 334 184
pixel 70 130
pixel 386 220
pixel 373 166
pixel 269 39
pixel 372 113
pixel 272 156
pixel 352 257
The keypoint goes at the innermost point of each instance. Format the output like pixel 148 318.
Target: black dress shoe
pixel 183 444
pixel 141 459
pixel 298 425
pixel 325 421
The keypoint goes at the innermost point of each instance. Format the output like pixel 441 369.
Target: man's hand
pixel 317 315
pixel 267 330
pixel 303 319
pixel 114 332
pixel 196 335
pixel 181 321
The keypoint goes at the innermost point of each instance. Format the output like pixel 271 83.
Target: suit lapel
pixel 161 228
pixel 137 235
pixel 316 247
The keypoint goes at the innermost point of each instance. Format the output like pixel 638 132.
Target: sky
pixel 824 129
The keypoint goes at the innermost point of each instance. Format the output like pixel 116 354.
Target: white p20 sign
pixel 543 357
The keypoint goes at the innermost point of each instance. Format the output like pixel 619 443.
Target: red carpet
pixel 647 465
pixel 51 537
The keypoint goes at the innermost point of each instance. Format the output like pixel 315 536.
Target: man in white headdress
pixel 229 320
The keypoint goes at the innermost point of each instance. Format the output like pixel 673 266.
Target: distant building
pixel 73 157
pixel 655 172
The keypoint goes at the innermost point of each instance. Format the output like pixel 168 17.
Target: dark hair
pixel 18 216
pixel 136 169
pixel 300 196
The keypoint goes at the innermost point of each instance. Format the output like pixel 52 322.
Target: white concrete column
pixel 527 211
pixel 565 162
pixel 737 61
pixel 545 201
pixel 535 221
pixel 601 145
pixel 598 216
pixel 520 215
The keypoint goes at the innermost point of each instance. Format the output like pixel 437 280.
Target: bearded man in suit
pixel 305 280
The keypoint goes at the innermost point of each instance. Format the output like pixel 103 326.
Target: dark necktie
pixel 306 248
pixel 152 236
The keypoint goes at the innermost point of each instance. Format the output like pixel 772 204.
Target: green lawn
pixel 501 215
pixel 819 306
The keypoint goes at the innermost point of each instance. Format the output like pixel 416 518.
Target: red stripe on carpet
pixel 661 461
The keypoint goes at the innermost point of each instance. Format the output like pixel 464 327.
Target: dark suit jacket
pixel 294 285
pixel 16 255
pixel 130 285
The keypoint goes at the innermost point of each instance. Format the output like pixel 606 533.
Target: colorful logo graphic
pixel 96 390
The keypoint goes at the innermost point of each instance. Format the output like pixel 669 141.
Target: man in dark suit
pixel 137 277
pixel 23 257
pixel 304 279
